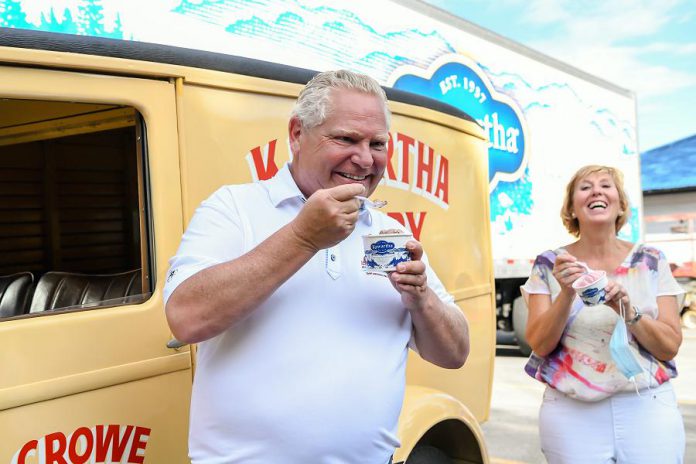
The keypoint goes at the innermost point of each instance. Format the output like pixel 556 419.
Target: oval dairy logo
pixel 382 246
pixel 460 82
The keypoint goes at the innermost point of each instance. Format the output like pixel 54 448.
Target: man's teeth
pixel 352 177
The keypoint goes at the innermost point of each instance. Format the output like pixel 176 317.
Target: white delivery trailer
pixel 543 117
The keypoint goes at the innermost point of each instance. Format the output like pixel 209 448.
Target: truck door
pixel 90 211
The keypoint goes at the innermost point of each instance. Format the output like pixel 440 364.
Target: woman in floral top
pixel 592 412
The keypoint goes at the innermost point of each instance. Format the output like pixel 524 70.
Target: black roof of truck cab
pixel 39 40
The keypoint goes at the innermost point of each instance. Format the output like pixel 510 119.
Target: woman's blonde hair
pixel 567 215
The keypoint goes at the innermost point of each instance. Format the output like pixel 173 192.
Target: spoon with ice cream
pixel 590 287
pixel 589 277
pixel 371 203
pixel 587 268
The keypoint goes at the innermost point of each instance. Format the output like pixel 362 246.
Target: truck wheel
pixel 688 318
pixel 427 455
pixel 519 324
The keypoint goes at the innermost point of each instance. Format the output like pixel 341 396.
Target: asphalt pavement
pixel 511 431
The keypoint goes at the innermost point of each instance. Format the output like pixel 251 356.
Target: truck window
pixel 73 207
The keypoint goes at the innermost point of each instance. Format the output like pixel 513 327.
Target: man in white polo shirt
pixel 301 355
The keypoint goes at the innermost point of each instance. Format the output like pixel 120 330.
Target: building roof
pixel 671 167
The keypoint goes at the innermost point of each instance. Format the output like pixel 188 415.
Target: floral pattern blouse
pixel 581 365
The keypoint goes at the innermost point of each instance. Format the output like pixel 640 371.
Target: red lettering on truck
pixel 29 449
pixel 113 441
pixel 424 167
pixel 140 438
pixel 87 446
pixel 55 448
pixel 261 161
pixel 404 149
pixel 390 174
pixel 411 165
pixel 108 444
pixel 414 221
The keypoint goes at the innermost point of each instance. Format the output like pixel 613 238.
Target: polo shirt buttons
pixel 333 262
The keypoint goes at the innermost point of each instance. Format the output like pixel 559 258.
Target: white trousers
pixel 624 428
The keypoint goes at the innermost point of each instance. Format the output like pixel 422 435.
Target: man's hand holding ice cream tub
pixel 395 254
pixel 384 251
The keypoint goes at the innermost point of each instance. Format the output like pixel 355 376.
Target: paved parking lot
pixel 511 432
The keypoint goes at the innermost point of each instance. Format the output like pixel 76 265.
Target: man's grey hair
pixel 313 104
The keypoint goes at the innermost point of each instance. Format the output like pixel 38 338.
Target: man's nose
pixel 363 156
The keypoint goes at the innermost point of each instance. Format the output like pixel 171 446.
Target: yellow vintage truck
pixel 106 149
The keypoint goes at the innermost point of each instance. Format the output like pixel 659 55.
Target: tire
pixel 428 455
pixel 519 324
pixel 688 318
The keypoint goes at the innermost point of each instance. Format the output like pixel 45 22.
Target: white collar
pixel 282 187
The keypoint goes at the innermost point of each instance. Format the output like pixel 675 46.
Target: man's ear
pixel 294 131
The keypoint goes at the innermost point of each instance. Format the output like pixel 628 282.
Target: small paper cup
pixel 590 288
pixel 384 251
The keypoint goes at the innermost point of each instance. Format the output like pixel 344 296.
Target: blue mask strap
pixel 622 314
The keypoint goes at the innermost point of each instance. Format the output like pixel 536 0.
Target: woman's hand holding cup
pixel 566 270
pixel 615 293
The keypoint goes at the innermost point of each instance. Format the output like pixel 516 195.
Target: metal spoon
pixel 371 203
pixel 560 251
pixel 587 268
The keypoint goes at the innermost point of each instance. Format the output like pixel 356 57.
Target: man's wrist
pixel 300 240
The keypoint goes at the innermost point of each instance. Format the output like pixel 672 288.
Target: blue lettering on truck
pixel 465 86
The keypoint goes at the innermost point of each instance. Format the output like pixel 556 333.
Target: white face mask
pixel 621 353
